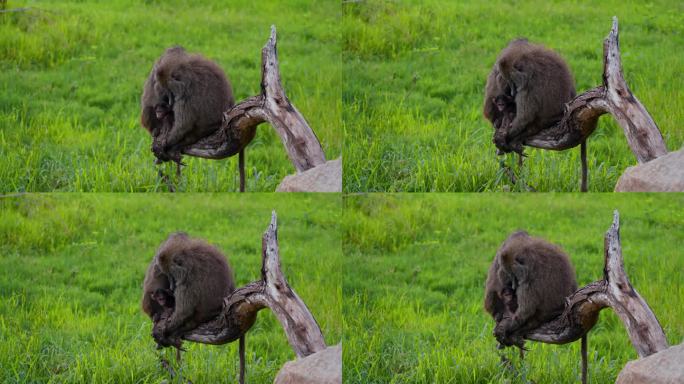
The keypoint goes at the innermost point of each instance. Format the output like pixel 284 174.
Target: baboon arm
pixel 181 314
pixel 525 311
pixel 181 125
pixel 524 113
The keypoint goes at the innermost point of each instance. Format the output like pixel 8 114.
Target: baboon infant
pixel 155 280
pixel 526 286
pixel 505 106
pixel 183 100
pixel 540 83
pixel 164 297
pixel 158 301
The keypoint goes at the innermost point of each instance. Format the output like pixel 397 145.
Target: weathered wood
pixel 642 133
pixel 614 291
pixel 272 106
pixel 613 97
pixel 272 291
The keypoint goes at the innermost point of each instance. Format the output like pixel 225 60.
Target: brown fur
pixel 505 105
pixel 540 277
pixel 197 92
pixel 154 279
pixel 201 279
pixel 541 84
pixel 495 90
pixel 163 297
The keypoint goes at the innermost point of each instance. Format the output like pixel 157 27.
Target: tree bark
pixel 272 106
pixel 614 291
pixel 614 97
pixel 272 291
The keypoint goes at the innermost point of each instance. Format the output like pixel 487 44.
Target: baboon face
pixel 163 109
pixel 514 267
pixel 503 102
pixel 163 297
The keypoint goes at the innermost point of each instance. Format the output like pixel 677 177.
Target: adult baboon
pixel 183 100
pixel 527 285
pixel 198 93
pixel 200 278
pixel 541 276
pixel 540 83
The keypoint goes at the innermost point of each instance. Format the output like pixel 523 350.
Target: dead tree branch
pixel 614 291
pixel 272 106
pixel 613 97
pixel 272 291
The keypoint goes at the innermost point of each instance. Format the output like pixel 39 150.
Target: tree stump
pixel 272 106
pixel 613 97
pixel 614 291
pixel 272 291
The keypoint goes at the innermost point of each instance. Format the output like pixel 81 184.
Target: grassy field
pixel 417 265
pixel 414 74
pixel 71 75
pixel 71 271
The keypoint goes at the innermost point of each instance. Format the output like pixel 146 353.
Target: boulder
pixel 664 367
pixel 323 178
pixel 324 367
pixel 664 174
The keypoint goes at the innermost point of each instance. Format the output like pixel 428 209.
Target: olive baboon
pixel 158 301
pixel 527 285
pixel 200 279
pixel 496 90
pixel 163 297
pixel 541 276
pixel 155 279
pixel 197 91
pixel 505 106
pixel 540 83
pixel 183 100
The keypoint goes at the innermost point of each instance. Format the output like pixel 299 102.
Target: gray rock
pixel 664 174
pixel 664 367
pixel 324 367
pixel 323 178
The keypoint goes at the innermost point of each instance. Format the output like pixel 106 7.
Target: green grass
pixel 414 74
pixel 413 293
pixel 71 271
pixel 71 75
